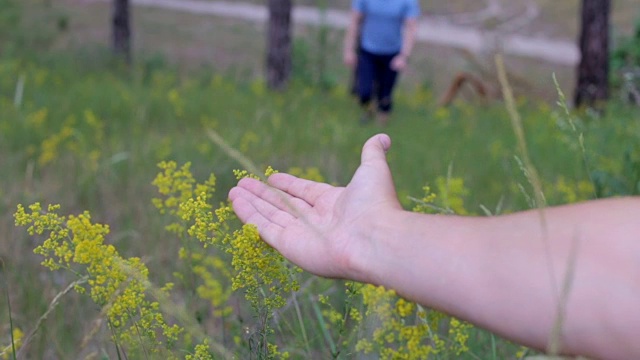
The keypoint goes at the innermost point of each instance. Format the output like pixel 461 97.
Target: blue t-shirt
pixel 381 31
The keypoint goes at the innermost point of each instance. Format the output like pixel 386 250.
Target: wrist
pixel 382 244
pixel 422 257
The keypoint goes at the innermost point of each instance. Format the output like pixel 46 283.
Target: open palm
pixel 321 228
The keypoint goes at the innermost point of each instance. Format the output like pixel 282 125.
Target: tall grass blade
pixel 439 209
pixel 494 352
pixel 562 102
pixel 17 98
pixel 233 153
pixel 301 322
pixel 516 123
pixel 6 291
pixel 137 327
pixel 115 341
pixel 535 202
pixel 556 331
pixel 179 312
pixel 251 167
pixel 52 306
pixel 323 327
pixel 532 173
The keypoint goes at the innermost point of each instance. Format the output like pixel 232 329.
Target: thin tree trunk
pixel 121 29
pixel 593 72
pixel 279 44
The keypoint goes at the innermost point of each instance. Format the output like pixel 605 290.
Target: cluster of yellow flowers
pixel 257 266
pixel 178 186
pixel 82 138
pixel 395 328
pixel 14 342
pixel 458 335
pixel 116 284
pixel 214 274
pixel 450 199
pixel 202 352
pixel 452 192
pixel 569 192
pixel 265 276
pixel 424 205
pixel 402 332
pixel 400 329
pixel 176 102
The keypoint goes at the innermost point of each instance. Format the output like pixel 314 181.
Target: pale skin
pixel 399 62
pixel 491 271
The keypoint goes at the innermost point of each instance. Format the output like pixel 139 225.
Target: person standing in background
pixel 385 31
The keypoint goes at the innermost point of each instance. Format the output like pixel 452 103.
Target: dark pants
pixel 375 75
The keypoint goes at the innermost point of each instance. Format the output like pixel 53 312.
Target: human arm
pixel 351 37
pixel 495 272
pixel 491 271
pixel 410 26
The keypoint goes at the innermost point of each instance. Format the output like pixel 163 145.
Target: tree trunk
pixel 121 30
pixel 593 72
pixel 279 44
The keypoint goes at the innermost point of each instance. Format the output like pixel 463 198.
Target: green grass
pixel 151 116
pixel 236 47
pixel 122 122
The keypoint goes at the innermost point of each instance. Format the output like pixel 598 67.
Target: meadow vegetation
pixel 126 246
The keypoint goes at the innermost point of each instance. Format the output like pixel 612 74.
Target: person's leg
pixel 366 74
pixel 354 77
pixel 386 82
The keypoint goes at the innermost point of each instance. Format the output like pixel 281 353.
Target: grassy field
pixel 236 47
pixel 78 130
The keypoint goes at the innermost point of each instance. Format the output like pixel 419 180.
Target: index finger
pixel 306 190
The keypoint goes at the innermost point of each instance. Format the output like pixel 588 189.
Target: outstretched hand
pixel 476 265
pixel 322 228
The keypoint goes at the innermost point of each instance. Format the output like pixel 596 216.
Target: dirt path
pixel 432 29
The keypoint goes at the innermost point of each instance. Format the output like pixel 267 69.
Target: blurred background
pixel 231 37
pixel 95 93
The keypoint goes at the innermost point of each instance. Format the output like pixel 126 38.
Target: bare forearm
pixel 506 273
pixel 352 32
pixel 409 37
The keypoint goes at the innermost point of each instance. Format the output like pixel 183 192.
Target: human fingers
pixel 274 196
pixel 399 67
pixel 268 210
pixel 306 190
pixel 375 148
pixel 270 231
pixel 398 63
pixel 242 206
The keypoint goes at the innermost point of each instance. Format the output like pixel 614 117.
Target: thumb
pixel 375 148
pixel 373 175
